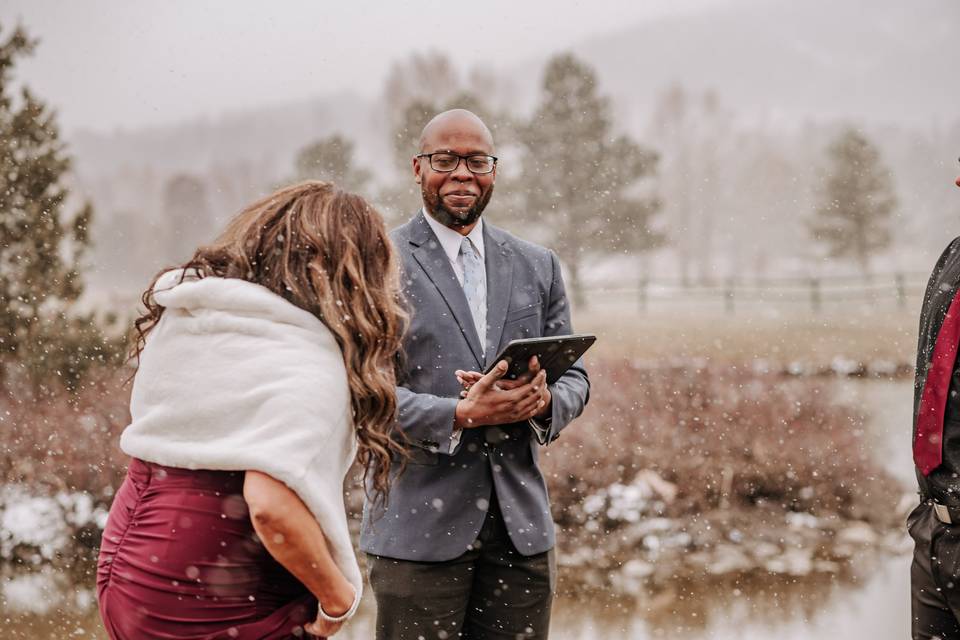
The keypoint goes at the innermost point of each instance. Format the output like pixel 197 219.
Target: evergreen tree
pixel 187 220
pixel 418 88
pixel 41 246
pixel 331 159
pixel 582 185
pixel 404 195
pixel 401 195
pixel 854 218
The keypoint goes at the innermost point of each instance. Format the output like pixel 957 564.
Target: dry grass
pixel 772 437
pixel 64 442
pixel 733 441
pixel 744 452
pixel 886 335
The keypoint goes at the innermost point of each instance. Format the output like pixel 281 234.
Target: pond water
pixel 871 600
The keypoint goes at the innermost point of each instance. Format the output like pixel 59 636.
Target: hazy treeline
pixel 700 192
pixel 703 147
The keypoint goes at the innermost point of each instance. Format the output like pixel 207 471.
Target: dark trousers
pixel 934 576
pixel 490 592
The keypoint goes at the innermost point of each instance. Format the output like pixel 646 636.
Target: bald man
pixel 464 546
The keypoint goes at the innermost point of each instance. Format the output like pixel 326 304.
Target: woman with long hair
pixel 265 366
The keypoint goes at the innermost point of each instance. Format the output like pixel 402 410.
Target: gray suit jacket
pixel 437 506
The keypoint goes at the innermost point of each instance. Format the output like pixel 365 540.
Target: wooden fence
pixel 891 291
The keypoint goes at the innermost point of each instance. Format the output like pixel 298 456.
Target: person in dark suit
pixel 464 546
pixel 935 523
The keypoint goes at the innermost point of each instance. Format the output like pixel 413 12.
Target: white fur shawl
pixel 234 377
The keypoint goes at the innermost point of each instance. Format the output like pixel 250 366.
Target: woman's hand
pixel 335 603
pixel 322 628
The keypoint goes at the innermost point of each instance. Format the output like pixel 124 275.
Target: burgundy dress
pixel 180 559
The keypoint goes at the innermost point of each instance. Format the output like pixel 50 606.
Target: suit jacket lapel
pixel 434 262
pixel 499 261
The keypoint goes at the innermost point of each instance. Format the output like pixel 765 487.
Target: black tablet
pixel 556 354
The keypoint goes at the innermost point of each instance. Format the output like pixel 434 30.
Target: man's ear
pixel 416 169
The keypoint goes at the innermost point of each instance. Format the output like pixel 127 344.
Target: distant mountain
pixel 878 60
pixel 266 137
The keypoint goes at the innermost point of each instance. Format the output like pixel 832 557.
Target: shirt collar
pixel 450 240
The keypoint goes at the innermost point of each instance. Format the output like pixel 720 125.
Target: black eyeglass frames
pixel 445 162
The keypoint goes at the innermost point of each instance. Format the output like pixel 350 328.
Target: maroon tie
pixel 928 443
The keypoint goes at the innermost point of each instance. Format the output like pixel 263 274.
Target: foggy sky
pixel 126 63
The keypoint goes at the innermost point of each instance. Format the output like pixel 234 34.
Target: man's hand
pixel 469 378
pixel 490 400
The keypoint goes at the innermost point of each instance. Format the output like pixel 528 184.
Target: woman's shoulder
pixel 231 297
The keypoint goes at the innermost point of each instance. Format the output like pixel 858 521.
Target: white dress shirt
pixel 450 242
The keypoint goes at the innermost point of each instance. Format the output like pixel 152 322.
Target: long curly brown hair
pixel 326 251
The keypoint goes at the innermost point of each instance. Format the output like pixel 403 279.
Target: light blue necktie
pixel 475 288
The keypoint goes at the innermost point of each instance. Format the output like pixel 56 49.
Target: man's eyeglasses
pixel 446 162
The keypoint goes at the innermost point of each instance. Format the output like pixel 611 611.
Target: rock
pixel 908 501
pixel 826 566
pixel 728 558
pixel 638 568
pixel 652 525
pixel 794 562
pixel 882 368
pixel 846 367
pixel 665 489
pixel 796 368
pixel 843 551
pixel 697 559
pixel 859 533
pixel 581 557
pixel 898 542
pixel 764 550
pixel 798 520
pixel 632 577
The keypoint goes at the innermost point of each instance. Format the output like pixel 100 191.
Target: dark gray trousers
pixel 491 592
pixel 934 576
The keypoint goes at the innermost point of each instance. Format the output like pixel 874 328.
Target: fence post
pixel 901 290
pixel 815 299
pixel 643 293
pixel 728 294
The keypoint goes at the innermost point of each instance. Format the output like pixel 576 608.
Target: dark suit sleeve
pixel 572 391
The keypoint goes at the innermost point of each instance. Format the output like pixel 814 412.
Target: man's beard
pixel 451 219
